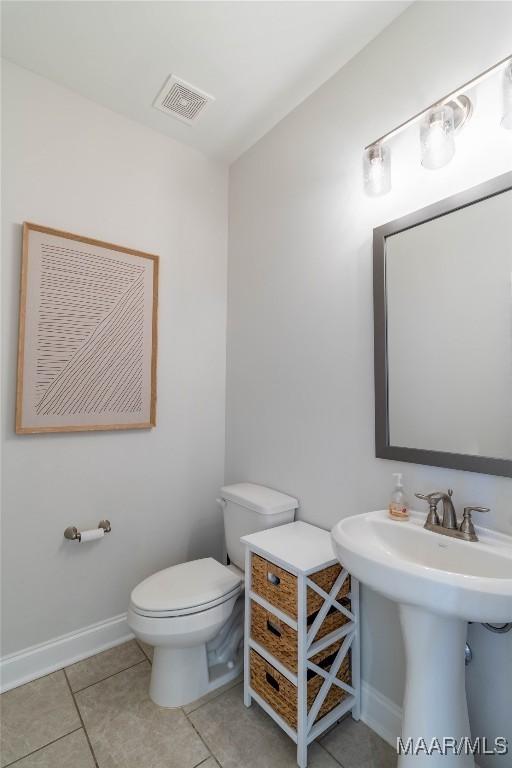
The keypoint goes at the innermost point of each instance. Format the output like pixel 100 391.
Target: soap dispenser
pixel 398 506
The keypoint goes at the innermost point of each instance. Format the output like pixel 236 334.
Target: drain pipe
pixel 500 629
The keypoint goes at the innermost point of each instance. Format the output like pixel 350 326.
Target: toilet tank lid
pixel 258 498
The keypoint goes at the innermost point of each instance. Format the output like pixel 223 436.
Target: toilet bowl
pixel 178 611
pixel 192 613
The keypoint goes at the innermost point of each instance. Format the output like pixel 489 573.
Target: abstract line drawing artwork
pixel 87 334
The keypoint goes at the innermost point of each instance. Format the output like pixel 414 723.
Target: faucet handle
pixel 469 510
pixel 434 497
pixel 433 500
pixel 466 527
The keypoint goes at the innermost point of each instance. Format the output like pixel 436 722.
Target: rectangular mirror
pixel 443 333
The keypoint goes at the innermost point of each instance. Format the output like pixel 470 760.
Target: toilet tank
pixel 249 508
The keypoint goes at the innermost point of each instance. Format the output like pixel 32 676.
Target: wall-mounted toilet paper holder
pixel 74 534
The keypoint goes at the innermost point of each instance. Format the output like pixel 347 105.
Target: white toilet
pixel 192 613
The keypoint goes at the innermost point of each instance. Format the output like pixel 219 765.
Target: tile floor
pixel 97 714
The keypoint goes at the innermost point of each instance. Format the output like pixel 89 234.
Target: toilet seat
pixel 166 614
pixel 185 589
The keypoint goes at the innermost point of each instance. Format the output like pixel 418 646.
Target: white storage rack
pixel 304 549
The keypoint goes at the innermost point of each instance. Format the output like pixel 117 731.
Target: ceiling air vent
pixel 182 100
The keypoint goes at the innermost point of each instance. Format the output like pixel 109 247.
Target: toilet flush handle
pixel 221 503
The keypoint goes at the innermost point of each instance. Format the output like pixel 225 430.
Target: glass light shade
pixel 436 137
pixel 506 120
pixel 377 170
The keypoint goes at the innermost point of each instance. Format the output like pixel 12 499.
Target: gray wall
pixel 70 164
pixel 300 408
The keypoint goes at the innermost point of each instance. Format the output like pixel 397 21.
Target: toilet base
pixel 180 676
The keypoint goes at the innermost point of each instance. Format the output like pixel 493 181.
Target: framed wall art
pixel 87 334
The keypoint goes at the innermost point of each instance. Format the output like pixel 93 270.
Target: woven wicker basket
pixel 276 585
pixel 325 579
pixel 279 587
pixel 281 694
pixel 277 637
pixel 281 640
pixel 333 620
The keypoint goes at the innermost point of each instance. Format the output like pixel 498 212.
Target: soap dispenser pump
pixel 398 506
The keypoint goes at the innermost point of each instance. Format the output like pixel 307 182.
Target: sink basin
pixel 440 583
pixel 408 564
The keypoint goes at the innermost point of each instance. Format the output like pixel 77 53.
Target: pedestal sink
pixel 440 584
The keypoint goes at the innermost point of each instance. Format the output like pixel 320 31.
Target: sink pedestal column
pixel 435 704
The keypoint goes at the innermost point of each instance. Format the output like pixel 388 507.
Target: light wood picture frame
pixel 87 347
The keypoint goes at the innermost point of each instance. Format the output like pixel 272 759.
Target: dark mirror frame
pixel 383 448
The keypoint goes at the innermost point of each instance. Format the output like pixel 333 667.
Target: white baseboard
pixel 380 714
pixel 39 660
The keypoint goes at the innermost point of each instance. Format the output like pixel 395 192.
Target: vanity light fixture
pixel 377 170
pixel 438 129
pixel 439 123
pixel 506 120
pixel 436 137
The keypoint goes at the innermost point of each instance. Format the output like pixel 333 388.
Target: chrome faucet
pixel 449 526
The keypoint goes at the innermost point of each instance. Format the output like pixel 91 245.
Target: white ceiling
pixel 259 59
